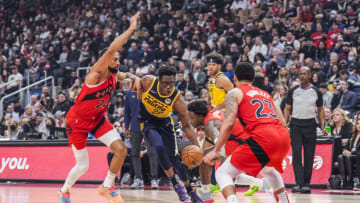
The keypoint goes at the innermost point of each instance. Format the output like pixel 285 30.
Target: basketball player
pixel 87 115
pixel 159 98
pixel 218 83
pixel 267 140
pixel 212 121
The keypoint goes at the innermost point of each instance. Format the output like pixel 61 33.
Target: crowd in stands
pixel 55 38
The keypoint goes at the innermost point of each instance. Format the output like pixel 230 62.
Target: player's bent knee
pixel 119 148
pixel 110 137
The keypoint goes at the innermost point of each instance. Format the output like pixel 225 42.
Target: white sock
pixel 109 180
pixel 205 188
pixel 232 199
pixel 283 197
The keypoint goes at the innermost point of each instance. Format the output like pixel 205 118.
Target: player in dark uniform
pixel 159 98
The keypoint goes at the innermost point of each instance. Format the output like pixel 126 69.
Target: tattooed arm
pixel 232 101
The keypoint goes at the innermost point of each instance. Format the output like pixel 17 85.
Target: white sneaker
pixel 154 184
pixel 205 197
pixel 138 184
pixel 125 180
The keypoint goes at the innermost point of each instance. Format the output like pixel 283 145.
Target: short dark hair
pixel 167 70
pixel 198 107
pixel 216 56
pixel 343 72
pixel 244 71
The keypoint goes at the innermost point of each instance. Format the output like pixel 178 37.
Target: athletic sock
pixel 109 180
pixel 205 188
pixel 232 199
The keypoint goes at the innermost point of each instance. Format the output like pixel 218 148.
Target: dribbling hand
pixel 211 157
pixel 133 21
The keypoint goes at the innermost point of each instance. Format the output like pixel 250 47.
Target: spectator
pixel 322 54
pixel 162 53
pixel 119 103
pixel 18 108
pixel 13 114
pixel 134 53
pixel 13 129
pixel 16 79
pixel 348 98
pixel 148 54
pixel 198 74
pixel 28 131
pixel 3 128
pixel 258 47
pixel 350 158
pixel 63 104
pixel 341 125
pixel 74 54
pixel 326 95
pixel 60 119
pixel 280 94
pixel 327 116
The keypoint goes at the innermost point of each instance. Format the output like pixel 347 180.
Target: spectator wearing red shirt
pixel 305 15
pixel 333 35
pixel 318 35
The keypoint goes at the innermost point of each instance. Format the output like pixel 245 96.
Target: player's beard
pixel 113 70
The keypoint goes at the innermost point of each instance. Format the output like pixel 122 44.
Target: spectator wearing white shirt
pixel 258 47
pixel 327 95
pixel 15 80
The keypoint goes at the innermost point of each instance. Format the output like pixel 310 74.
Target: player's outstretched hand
pixel 133 21
pixel 211 157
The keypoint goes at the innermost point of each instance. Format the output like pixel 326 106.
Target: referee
pixel 302 102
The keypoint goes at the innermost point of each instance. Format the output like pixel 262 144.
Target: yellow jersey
pixel 217 95
pixel 154 106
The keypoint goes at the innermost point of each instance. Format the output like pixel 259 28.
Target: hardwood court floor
pixel 86 193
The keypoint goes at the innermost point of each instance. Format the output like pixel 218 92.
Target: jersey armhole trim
pixel 92 86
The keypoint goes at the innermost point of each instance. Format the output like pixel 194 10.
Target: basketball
pixel 192 156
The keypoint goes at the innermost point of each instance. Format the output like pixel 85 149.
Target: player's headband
pixel 214 60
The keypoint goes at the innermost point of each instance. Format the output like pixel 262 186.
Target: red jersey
pixel 238 129
pixel 93 100
pixel 256 108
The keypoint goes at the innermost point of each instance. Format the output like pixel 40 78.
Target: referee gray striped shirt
pixel 304 102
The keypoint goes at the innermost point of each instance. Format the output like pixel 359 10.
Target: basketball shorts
pixel 77 129
pixel 264 146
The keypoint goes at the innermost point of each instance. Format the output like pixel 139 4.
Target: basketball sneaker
pixel 138 184
pixel 205 197
pixel 64 197
pixel 252 190
pixel 193 198
pixel 215 188
pixel 110 194
pixel 154 184
pixel 179 189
